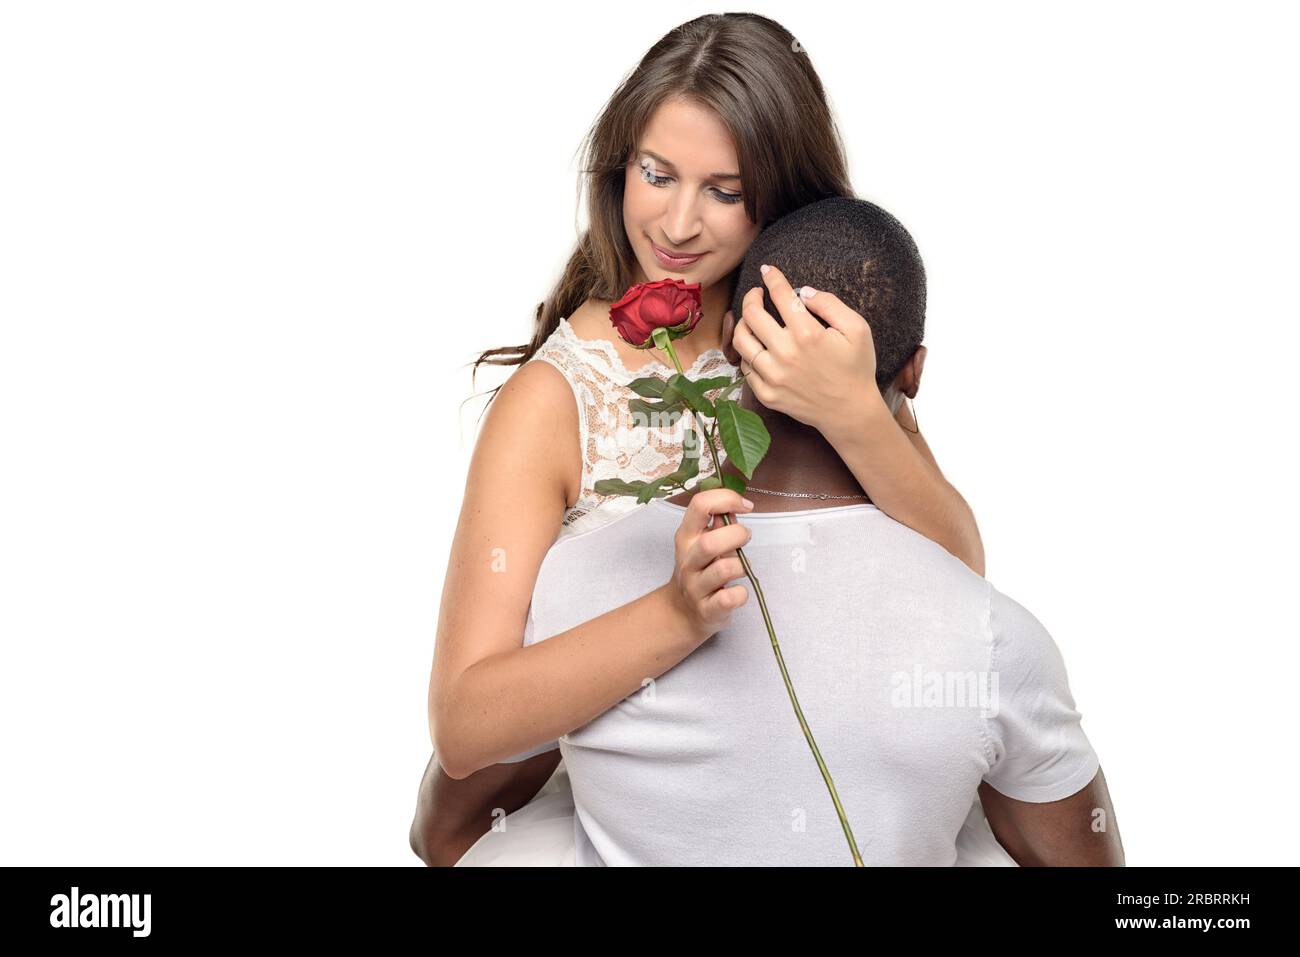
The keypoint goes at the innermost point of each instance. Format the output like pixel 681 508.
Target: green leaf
pixel 641 405
pixel 651 490
pixel 734 482
pixel 667 484
pixel 619 487
pixel 714 382
pixel 708 483
pixel 695 397
pixel 652 388
pixel 743 436
pixel 689 468
pixel 736 384
pixel 649 387
pixel 660 414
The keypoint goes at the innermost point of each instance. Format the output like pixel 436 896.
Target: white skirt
pixel 540 834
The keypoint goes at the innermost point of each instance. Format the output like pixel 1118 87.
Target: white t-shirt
pixel 917 678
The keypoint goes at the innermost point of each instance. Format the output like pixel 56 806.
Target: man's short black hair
pixel 857 251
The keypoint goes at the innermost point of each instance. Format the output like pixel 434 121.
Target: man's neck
pixel 798 460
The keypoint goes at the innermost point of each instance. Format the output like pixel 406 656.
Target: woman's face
pixel 673 199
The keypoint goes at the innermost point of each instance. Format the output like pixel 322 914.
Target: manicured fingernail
pixel 807 292
pixel 748 503
pixel 763 269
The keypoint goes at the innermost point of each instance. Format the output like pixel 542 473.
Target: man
pixel 922 684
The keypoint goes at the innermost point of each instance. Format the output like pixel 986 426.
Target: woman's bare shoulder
pixel 535 416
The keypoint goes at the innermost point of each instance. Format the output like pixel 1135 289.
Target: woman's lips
pixel 673 262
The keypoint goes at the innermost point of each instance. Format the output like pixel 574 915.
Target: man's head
pixel 863 255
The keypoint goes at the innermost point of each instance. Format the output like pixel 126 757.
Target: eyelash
pixel 661 181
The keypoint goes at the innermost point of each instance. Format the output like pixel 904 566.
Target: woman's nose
pixel 683 222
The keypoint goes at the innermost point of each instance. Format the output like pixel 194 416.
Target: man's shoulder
pixel 1011 617
pixel 1017 633
pixel 907 542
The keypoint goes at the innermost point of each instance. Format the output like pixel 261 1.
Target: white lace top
pixel 614 443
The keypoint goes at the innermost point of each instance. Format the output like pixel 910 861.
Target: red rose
pixel 664 304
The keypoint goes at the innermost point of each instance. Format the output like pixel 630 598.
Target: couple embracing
pixel 603 688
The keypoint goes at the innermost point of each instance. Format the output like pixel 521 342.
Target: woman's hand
pixel 806 370
pixel 706 560
pixel 826 378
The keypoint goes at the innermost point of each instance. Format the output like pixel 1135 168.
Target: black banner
pixel 134 906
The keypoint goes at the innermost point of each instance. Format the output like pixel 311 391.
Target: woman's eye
pixel 648 174
pixel 652 179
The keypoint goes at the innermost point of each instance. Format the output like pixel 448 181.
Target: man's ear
pixel 728 330
pixel 908 379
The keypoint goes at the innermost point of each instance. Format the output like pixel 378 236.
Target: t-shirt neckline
pixel 768 516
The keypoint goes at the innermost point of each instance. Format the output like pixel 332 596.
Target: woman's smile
pixel 666 258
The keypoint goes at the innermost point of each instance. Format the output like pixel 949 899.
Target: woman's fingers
pixel 711 545
pixel 719 572
pixel 716 501
pixel 746 342
pixel 706 559
pixel 831 309
pixel 752 349
pixel 726 599
pixel 791 307
pixel 760 322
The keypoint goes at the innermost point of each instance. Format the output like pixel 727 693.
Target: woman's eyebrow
pixel 669 163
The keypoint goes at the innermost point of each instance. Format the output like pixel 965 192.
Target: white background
pixel 247 250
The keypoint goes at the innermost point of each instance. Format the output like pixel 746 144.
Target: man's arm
pixel 1077 831
pixel 451 814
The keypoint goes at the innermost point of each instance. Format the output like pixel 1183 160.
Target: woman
pixel 722 128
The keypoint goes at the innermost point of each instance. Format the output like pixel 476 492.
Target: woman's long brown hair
pixel 757 78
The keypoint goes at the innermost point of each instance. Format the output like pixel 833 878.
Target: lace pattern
pixel 614 442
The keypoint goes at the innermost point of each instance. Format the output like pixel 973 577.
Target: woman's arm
pixel 823 373
pixel 452 814
pixel 490 697
pixel 899 472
